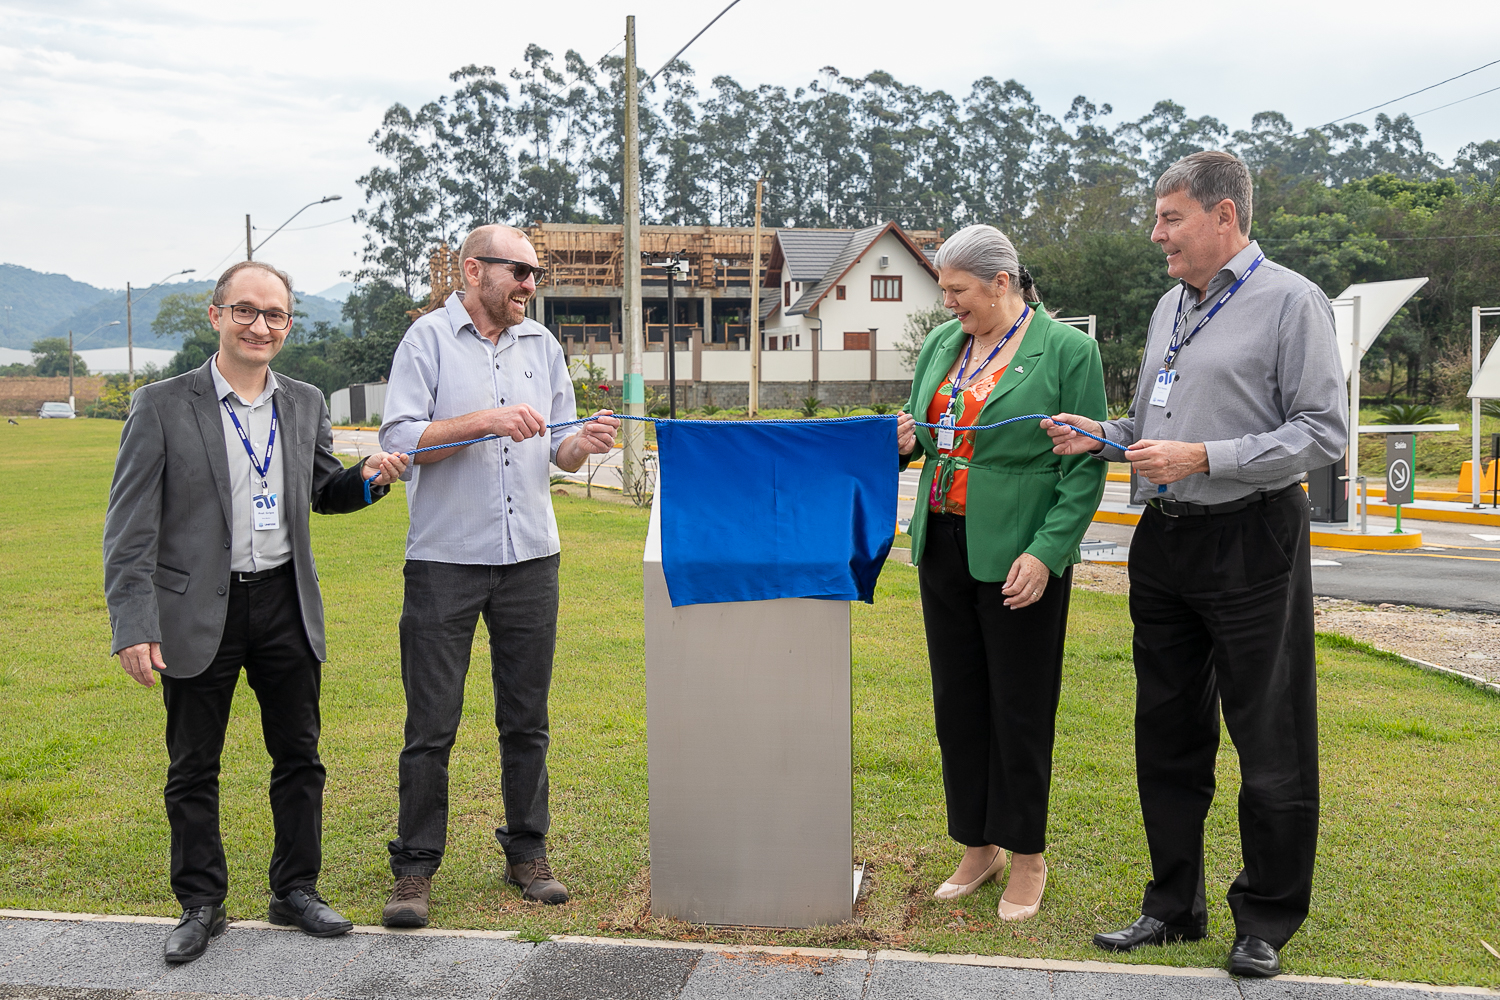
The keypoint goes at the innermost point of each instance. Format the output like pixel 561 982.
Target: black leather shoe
pixel 1146 930
pixel 305 909
pixel 1253 957
pixel 198 926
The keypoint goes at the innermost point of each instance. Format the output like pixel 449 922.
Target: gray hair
pixel 986 252
pixel 221 290
pixel 1210 177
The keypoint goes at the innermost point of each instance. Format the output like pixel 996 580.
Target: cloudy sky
pixel 136 134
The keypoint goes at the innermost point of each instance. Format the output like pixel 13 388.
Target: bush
pixel 810 406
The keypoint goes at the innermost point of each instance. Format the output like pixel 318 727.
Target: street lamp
pixel 86 336
pixel 674 264
pixel 250 250
pixel 130 323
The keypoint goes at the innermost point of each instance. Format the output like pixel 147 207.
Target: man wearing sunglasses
pixel 482 541
pixel 208 568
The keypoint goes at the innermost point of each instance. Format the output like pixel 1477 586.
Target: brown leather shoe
pixel 409 901
pixel 536 881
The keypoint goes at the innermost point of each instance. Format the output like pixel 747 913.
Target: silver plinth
pixel 748 748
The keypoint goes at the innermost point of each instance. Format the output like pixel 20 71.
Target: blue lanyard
pixel 261 469
pixel 1178 345
pixel 959 385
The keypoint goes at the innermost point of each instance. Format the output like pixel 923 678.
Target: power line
pixel 699 35
pixel 320 225
pixel 1450 104
pixel 1414 93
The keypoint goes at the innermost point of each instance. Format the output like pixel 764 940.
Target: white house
pixel 845 290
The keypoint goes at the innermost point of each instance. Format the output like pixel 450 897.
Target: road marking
pixel 1486 538
pixel 1326 562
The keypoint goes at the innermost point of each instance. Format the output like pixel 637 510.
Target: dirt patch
pixel 1102 578
pixel 23 395
pixel 1462 640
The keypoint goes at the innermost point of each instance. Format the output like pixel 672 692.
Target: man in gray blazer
pixel 208 568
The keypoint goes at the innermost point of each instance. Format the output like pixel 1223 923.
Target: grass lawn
pixel 1406 882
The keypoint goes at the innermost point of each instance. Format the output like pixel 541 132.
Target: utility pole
pixel 129 339
pixel 249 245
pixel 70 370
pixel 760 183
pixel 634 390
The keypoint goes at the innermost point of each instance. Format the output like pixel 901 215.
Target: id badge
pixel 1163 387
pixel 267 515
pixel 945 432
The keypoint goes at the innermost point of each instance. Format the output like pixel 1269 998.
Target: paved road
pixel 113 960
pixel 1458 567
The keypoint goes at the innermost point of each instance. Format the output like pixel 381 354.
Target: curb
pixel 1437 668
pixel 848 954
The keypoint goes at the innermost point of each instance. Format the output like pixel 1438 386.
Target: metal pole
pixel 70 369
pixel 130 337
pixel 1354 408
pixel 249 246
pixel 1474 409
pixel 634 391
pixel 754 398
pixel 671 337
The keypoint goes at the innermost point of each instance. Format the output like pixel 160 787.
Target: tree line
pixel 1341 203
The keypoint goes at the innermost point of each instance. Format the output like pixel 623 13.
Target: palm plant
pixel 810 406
pixel 846 411
pixel 710 409
pixel 881 409
pixel 1490 408
pixel 1410 413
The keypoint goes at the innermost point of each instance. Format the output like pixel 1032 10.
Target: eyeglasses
pixel 520 269
pixel 276 319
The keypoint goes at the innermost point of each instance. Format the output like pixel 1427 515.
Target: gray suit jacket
pixel 166 534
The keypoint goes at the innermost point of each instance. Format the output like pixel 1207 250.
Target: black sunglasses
pixel 519 268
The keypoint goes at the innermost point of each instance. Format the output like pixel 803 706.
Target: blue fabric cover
pixel 753 512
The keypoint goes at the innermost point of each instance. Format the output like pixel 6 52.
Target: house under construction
pixel 580 302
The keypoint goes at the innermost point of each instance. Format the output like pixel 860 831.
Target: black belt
pixel 1180 508
pixel 264 574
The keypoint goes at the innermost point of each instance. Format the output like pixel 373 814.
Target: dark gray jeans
pixel 443 604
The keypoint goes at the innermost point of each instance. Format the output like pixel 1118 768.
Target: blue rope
pixel 772 421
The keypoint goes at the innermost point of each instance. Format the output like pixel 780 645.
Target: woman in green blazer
pixel 995 535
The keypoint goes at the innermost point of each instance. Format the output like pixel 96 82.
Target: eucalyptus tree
pixel 399 200
pixel 477 134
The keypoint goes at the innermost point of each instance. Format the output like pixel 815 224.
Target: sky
pixel 135 135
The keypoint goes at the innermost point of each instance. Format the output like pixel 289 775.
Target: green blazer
pixel 1021 497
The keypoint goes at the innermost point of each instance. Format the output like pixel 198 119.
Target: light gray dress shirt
pixel 489 503
pixel 252 551
pixel 1262 385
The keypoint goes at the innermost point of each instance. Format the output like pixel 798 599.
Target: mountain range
pixel 34 305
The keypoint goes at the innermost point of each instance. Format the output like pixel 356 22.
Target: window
pixel 786 343
pixel 840 292
pixel 786 298
pixel 883 289
pixel 857 341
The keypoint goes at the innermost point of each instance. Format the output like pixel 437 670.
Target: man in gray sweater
pixel 1241 393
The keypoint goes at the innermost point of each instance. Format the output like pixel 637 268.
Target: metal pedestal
pixel 749 752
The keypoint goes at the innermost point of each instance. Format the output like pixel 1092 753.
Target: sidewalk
pixel 83 957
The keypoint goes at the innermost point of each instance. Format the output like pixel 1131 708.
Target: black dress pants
pixel 996 679
pixel 1223 613
pixel 444 602
pixel 263 632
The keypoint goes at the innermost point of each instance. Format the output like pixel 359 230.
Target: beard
pixel 498 305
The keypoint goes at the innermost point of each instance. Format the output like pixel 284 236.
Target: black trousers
pixel 264 634
pixel 996 679
pixel 1223 614
pixel 443 604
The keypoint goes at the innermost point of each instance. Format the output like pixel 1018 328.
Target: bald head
pixel 492 241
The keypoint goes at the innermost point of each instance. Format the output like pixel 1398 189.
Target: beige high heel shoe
pixel 953 890
pixel 1016 911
